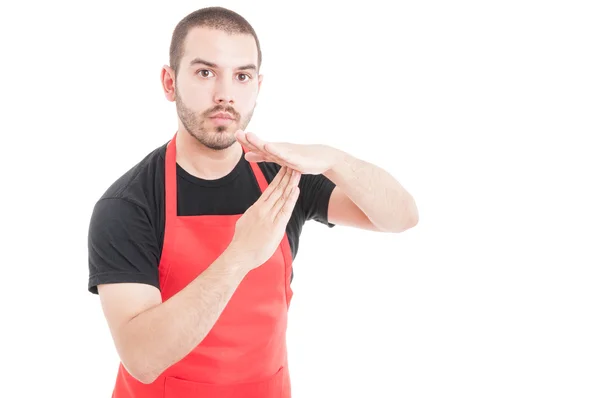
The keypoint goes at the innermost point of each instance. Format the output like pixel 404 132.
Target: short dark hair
pixel 211 17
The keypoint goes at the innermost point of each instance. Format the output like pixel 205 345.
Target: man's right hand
pixel 260 229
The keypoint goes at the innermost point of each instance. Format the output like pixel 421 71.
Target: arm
pixel 150 335
pixel 366 196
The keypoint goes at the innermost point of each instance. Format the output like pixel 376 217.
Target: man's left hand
pixel 307 159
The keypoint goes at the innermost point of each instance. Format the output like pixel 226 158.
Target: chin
pixel 225 130
pixel 221 140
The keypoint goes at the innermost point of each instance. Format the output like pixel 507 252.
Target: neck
pixel 203 162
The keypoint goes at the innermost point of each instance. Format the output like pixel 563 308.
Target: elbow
pixel 410 220
pixel 143 377
pixel 146 379
pixel 141 373
pixel 138 361
pixel 403 227
pixel 413 216
pixel 414 219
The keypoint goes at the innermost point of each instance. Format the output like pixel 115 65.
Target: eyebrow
pixel 196 61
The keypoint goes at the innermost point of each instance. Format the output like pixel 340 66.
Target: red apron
pixel 244 355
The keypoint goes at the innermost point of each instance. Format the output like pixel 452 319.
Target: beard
pixel 217 137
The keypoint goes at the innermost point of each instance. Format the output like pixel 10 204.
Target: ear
pixel 167 79
pixel 260 79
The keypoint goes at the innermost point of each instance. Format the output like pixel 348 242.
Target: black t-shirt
pixel 127 224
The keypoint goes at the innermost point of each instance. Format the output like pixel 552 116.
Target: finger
pixel 255 157
pixel 271 159
pixel 273 149
pixel 276 181
pixel 279 156
pixel 296 176
pixel 284 215
pixel 241 136
pixel 256 144
pixel 291 185
pixel 279 190
pixel 255 141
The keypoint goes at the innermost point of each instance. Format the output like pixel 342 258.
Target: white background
pixel 487 112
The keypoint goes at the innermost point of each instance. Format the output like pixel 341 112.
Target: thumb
pixel 254 157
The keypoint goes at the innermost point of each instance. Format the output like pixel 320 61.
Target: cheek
pixel 194 95
pixel 246 99
pixel 196 102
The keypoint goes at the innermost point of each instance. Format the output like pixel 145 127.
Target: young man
pixel 191 250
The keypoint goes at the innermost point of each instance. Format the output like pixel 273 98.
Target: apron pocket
pixel 271 387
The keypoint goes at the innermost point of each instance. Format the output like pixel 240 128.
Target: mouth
pixel 222 118
pixel 222 115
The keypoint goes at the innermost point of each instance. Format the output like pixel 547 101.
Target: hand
pixel 307 159
pixel 260 229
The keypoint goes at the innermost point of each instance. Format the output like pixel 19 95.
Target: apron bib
pixel 244 355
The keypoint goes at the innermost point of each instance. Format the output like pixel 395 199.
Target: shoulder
pixel 140 183
pixel 123 239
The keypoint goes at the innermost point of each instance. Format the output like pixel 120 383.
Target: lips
pixel 222 115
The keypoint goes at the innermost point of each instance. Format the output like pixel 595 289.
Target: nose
pixel 223 93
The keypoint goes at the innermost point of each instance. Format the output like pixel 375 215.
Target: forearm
pixel 376 192
pixel 163 335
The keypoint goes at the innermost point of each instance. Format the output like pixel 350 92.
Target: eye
pixel 245 77
pixel 204 72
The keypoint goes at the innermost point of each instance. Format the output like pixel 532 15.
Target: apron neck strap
pixel 171 179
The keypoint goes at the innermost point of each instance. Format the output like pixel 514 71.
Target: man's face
pixel 217 77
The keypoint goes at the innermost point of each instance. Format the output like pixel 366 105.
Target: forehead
pixel 222 48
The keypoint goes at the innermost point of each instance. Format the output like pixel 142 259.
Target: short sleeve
pixel 315 192
pixel 122 245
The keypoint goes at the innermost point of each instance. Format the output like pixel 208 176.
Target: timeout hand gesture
pixel 307 159
pixel 260 229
